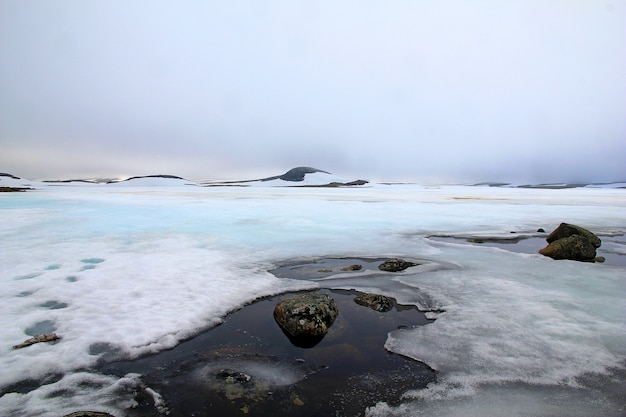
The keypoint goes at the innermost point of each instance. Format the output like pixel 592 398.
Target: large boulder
pixel 566 230
pixel 306 318
pixel 571 242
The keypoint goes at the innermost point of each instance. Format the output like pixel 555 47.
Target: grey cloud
pixel 510 91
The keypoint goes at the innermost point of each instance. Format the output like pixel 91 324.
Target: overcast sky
pixel 524 91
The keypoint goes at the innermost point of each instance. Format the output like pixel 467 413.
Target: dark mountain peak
pixel 295 174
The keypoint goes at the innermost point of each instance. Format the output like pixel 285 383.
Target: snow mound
pixel 11 181
pixel 152 181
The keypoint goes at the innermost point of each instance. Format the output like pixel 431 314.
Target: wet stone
pixel 376 302
pixel 306 318
pixel 232 376
pixel 395 265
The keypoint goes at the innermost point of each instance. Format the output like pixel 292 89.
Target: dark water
pixel 346 372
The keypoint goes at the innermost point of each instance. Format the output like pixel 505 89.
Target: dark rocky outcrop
pixel 375 301
pixel 295 174
pixel 13 189
pixel 89 414
pixel 395 265
pixel 565 230
pixel 306 318
pixel 355 267
pixel 571 242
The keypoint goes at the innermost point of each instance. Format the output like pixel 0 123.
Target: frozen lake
pixel 128 271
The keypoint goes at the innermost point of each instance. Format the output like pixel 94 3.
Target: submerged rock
pixel 355 267
pixel 306 318
pixel 395 265
pixel 89 414
pixel 232 376
pixel 375 301
pixel 571 242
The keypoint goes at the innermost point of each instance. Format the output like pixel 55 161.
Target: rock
pixel 600 259
pixel 40 338
pixel 574 247
pixel 375 301
pixel 355 267
pixel 231 376
pixel 395 265
pixel 540 230
pixel 306 318
pixel 88 414
pixel 569 241
pixel 566 230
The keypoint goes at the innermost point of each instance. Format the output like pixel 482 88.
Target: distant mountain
pixel 296 177
pixel 147 176
pixel 10 183
pixel 295 174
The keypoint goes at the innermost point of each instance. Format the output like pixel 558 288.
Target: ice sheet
pixel 126 271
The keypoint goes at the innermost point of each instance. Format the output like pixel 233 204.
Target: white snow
pixel 16 182
pixel 127 271
pixel 151 182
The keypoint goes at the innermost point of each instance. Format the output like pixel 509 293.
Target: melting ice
pixel 128 271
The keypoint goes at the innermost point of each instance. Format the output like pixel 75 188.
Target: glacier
pixel 131 270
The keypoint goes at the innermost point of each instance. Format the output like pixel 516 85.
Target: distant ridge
pixel 555 186
pixel 173 177
pixel 3 174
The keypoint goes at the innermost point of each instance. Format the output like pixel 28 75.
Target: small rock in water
pixel 355 267
pixel 375 301
pixel 540 230
pixel 88 414
pixel 395 265
pixel 232 376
